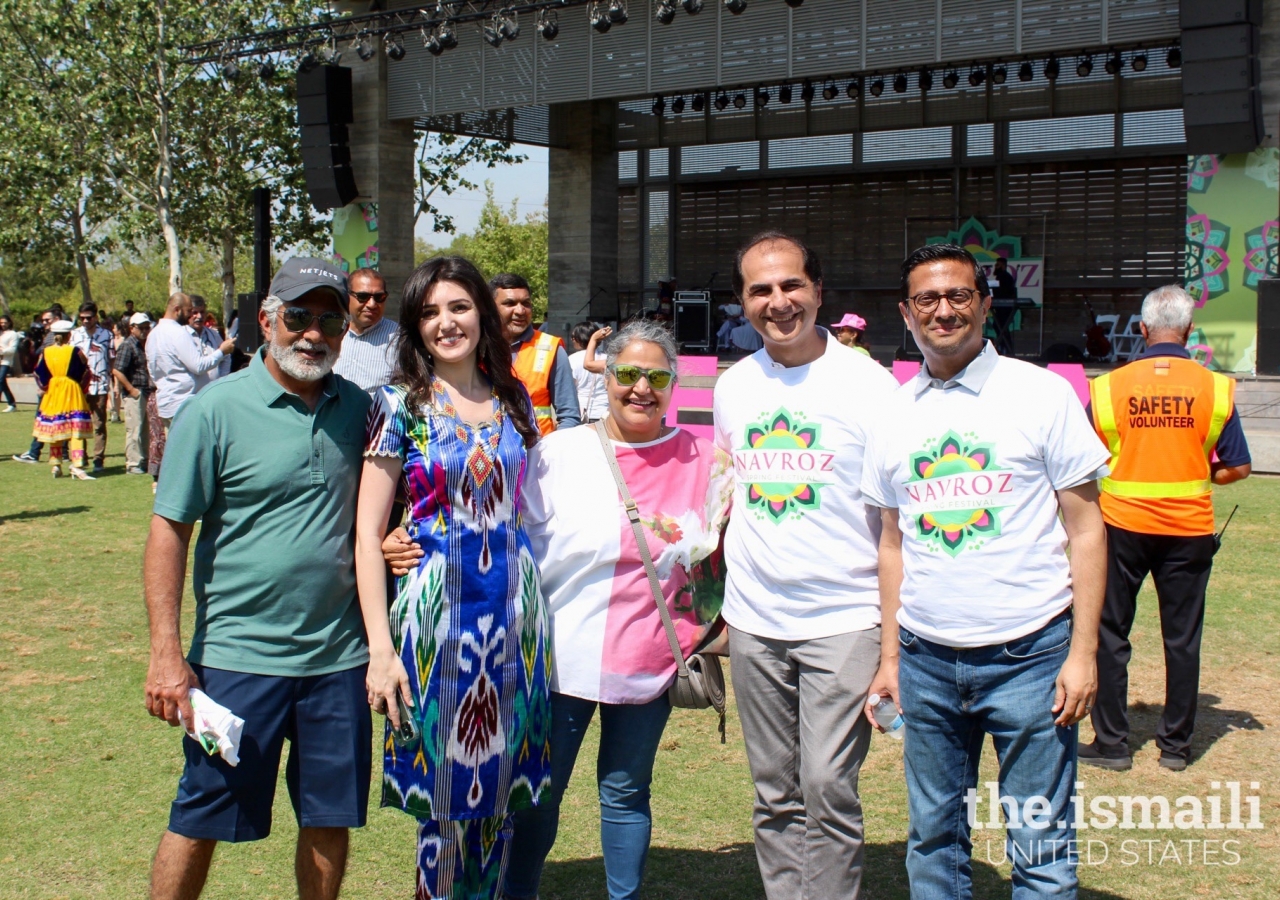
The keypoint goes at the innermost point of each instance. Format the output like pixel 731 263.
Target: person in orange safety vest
pixel 1164 417
pixel 539 358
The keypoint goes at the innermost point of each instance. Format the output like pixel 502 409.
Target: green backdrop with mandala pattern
pixel 1233 204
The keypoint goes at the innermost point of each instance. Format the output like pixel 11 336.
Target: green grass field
pixel 87 776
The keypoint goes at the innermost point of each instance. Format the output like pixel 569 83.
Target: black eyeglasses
pixel 296 319
pixel 959 298
pixel 659 379
pixel 366 296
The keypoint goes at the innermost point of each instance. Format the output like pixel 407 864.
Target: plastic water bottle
pixel 887 716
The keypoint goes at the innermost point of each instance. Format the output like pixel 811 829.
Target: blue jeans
pixel 5 390
pixel 629 736
pixel 952 699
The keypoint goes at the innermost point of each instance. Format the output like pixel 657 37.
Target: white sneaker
pixel 9 407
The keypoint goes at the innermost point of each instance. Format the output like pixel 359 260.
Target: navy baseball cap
pixel 301 274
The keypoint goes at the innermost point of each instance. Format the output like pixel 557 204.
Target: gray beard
pixel 295 365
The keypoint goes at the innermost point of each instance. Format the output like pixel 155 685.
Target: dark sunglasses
pixel 366 296
pixel 659 379
pixel 297 320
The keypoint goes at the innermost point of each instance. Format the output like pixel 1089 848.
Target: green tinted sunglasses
pixel 298 320
pixel 659 379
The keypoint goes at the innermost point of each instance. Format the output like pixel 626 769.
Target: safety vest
pixel 533 362
pixel 1160 417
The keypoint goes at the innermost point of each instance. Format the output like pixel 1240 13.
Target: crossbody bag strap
pixel 643 543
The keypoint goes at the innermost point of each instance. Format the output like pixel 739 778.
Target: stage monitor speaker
pixel 692 320
pixel 1267 357
pixel 1220 42
pixel 325 109
pixel 1216 76
pixel 1207 13
pixel 1227 108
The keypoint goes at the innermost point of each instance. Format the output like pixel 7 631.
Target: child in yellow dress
pixel 63 374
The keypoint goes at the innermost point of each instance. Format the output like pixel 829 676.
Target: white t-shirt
pixel 973 468
pixel 800 549
pixel 593 396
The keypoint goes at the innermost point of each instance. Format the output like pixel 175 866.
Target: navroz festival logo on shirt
pixel 956 493
pixel 783 466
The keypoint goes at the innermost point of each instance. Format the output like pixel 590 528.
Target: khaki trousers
pixel 136 433
pixel 98 409
pixel 800 703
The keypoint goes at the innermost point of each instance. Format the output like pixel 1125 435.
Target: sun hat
pixel 851 320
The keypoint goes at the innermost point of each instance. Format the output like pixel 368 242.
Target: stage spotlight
pixel 431 41
pixel 659 105
pixel 784 94
pixel 448 37
pixel 364 49
pixel 231 70
pixel 999 74
pixel 618 12
pixel 331 54
pixel 926 80
pixel 492 36
pixel 395 49
pixel 795 4
pixel 548 25
pixel 877 87
pixel 1174 59
pixel 951 79
pixel 806 91
pixel 677 105
pixel 665 12
pixel 1026 72
pixel 508 25
pixel 1139 62
pixel 307 62
pixel 1051 68
pixel 692 7
pixel 829 91
pixel 1115 62
pixel 854 90
pixel 266 70
pixel 699 102
pixel 900 83
pixel 762 97
pixel 722 102
pixel 740 101
pixel 599 18
pixel 737 7
pixel 977 75
pixel 1084 66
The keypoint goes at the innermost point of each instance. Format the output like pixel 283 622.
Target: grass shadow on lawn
pixel 730 873
pixel 1213 722
pixel 28 514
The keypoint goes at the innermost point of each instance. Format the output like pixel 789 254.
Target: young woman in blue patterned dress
pixel 465 641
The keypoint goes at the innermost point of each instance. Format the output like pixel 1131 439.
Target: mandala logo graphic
pixel 956 493
pixel 1207 258
pixel 1261 258
pixel 984 243
pixel 1200 173
pixel 784 466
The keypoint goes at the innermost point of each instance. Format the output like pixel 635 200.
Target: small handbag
pixel 700 678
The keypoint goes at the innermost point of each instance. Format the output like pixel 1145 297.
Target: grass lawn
pixel 87 776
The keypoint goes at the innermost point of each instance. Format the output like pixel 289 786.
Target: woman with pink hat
pixel 849 331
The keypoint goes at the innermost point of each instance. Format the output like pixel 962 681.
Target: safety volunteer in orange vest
pixel 540 360
pixel 1163 417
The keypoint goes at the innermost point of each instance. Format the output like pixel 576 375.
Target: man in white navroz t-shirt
pixel 800 554
pixel 989 627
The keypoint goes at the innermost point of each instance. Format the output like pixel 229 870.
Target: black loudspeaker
pixel 325 109
pixel 1220 75
pixel 692 320
pixel 1219 42
pixel 1207 13
pixel 1267 355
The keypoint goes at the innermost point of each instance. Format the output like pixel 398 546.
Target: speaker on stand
pixel 325 110
pixel 692 320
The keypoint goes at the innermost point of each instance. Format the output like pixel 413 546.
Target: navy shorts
pixel 327 721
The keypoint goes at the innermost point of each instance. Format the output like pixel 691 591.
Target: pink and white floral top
pixel 609 642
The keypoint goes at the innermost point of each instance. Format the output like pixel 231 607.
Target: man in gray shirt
pixel 372 342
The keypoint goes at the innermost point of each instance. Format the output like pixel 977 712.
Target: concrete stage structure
pixel 1045 130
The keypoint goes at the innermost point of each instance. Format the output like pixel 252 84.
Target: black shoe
pixel 1172 761
pixel 97 468
pixel 1090 755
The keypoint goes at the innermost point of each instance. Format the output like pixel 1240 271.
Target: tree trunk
pixel 82 264
pixel 4 303
pixel 228 274
pixel 164 189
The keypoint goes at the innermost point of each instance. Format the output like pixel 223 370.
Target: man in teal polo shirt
pixel 268 459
